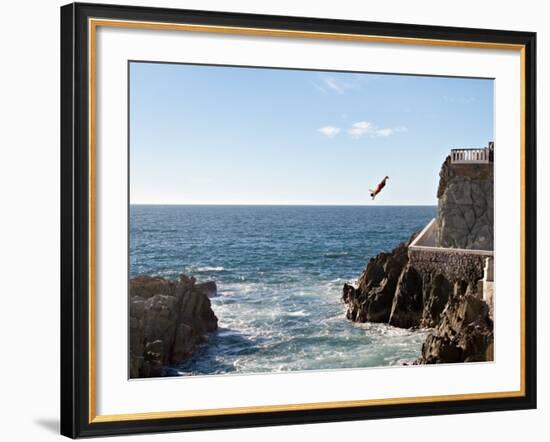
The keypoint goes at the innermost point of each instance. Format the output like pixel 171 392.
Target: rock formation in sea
pixel 464 333
pixel 372 299
pixel 168 319
pixel 392 291
pixel 441 284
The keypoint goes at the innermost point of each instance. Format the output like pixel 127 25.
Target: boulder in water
pixel 372 300
pixel 168 319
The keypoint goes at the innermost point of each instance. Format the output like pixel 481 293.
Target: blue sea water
pixel 280 272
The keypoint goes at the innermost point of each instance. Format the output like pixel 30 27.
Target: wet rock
pixel 408 303
pixel 465 333
pixel 147 286
pixel 209 288
pixel 372 300
pixel 168 319
pixel 461 321
pixel 437 291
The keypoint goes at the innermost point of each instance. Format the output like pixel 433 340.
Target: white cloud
pixel 386 132
pixel 336 85
pixel 366 128
pixel 329 131
pixel 333 84
pixel 362 129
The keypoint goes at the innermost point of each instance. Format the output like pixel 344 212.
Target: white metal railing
pixel 470 156
pixel 426 241
pixel 426 238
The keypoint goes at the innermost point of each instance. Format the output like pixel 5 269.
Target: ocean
pixel 280 272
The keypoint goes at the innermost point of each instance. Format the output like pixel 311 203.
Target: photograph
pixel 274 221
pixel 277 218
pixel 284 220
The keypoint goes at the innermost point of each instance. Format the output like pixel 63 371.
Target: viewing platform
pixel 473 156
pixel 426 242
pixel 458 244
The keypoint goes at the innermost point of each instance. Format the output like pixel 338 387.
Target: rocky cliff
pixel 391 290
pixel 464 333
pixel 465 206
pixel 372 299
pixel 168 319
pixel 438 290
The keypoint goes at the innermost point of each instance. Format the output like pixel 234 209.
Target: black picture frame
pixel 75 220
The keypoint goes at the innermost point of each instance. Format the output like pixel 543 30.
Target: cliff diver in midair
pixel 380 186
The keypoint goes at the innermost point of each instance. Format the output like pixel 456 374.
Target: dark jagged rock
pixel 209 288
pixel 373 298
pixel 167 321
pixel 437 290
pixel 408 302
pixel 465 333
pixel 392 291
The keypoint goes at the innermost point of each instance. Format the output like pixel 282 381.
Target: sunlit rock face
pixel 465 206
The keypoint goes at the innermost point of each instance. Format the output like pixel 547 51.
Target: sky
pixel 234 135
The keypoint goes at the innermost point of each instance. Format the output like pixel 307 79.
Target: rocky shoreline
pixel 391 290
pixel 168 320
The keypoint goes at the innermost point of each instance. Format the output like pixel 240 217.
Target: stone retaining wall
pixel 453 265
